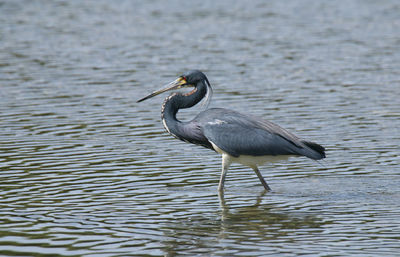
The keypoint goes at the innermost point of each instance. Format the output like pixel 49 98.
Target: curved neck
pixel 177 101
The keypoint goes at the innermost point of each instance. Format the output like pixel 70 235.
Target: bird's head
pixel 194 77
pixel 189 79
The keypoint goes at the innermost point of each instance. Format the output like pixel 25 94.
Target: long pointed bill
pixel 170 86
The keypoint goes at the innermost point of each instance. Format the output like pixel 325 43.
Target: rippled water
pixel 86 171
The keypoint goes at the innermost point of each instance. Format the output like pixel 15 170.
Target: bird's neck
pixel 177 101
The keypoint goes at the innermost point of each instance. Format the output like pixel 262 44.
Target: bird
pixel 238 137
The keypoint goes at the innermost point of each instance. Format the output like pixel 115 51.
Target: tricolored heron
pixel 238 137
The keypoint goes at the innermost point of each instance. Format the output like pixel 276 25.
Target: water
pixel 86 171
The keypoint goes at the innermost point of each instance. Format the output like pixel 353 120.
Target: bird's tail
pixel 319 151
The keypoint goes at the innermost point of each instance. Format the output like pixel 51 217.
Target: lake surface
pixel 87 171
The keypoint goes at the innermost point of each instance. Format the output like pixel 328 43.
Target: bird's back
pixel 240 134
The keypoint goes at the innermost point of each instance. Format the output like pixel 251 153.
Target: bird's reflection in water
pixel 258 222
pixel 225 207
pixel 264 220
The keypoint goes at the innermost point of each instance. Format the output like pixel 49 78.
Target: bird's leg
pixel 261 178
pixel 226 162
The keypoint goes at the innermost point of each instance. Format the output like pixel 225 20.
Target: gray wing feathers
pixel 238 140
pixel 239 134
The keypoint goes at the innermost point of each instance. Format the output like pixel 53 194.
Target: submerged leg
pixel 226 162
pixel 261 178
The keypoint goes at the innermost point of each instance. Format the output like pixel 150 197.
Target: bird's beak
pixel 178 83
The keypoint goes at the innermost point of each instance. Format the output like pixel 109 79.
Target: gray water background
pixel 86 171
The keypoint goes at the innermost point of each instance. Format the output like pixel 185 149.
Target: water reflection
pixel 264 218
pixel 216 231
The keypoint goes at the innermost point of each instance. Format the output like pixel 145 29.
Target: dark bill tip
pixel 144 98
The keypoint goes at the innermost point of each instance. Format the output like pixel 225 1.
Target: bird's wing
pixel 243 139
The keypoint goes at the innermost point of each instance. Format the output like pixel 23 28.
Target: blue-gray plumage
pixel 238 137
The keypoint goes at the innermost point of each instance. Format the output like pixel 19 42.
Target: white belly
pixel 250 160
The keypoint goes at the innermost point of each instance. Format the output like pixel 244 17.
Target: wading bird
pixel 238 137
